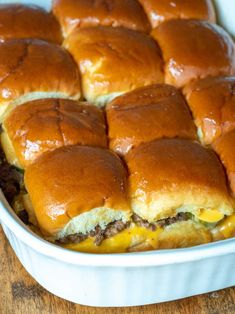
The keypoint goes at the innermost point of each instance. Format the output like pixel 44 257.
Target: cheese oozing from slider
pixel 136 239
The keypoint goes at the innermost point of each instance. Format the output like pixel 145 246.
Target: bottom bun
pixel 136 239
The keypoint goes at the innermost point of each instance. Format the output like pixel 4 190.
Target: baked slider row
pixel 168 193
pixel 189 50
pixel 31 21
pixel 145 114
pixel 168 190
pixel 173 195
pixel 184 50
pixel 73 14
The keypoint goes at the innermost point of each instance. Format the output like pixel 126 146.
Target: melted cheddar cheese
pixel 124 241
pixel 210 216
pixel 227 227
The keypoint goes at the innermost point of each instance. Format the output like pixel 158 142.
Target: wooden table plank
pixel 19 293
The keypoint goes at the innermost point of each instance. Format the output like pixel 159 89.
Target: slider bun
pixel 43 125
pixel 163 10
pixel 178 235
pixel 31 21
pixel 32 69
pixel 169 176
pixel 113 61
pixel 80 185
pixel 194 49
pixel 146 114
pixel 212 102
pixel 136 239
pixel 184 234
pixel 225 148
pixel 74 14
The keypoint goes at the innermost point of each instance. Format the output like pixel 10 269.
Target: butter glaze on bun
pixel 32 69
pixel 159 11
pixel 28 21
pixel 76 180
pixel 74 14
pixel 169 176
pixel 225 148
pixel 39 126
pixel 212 102
pixel 194 49
pixel 148 113
pixel 114 61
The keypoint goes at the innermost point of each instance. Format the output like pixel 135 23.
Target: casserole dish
pixel 120 279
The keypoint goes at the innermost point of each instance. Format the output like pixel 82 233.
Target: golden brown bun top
pixel 159 11
pixel 212 102
pixel 33 65
pixel 161 163
pixel 171 173
pixel 194 49
pixel 225 148
pixel 72 180
pixel 88 13
pixel 114 61
pixel 43 125
pixel 21 21
pixel 148 113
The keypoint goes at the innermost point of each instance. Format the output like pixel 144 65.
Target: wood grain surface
pixel 19 293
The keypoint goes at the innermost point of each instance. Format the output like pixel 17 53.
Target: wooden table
pixel 19 293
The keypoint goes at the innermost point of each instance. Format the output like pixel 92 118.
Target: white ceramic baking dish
pixel 123 279
pixel 120 279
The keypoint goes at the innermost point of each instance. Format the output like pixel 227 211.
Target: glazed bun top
pixel 163 10
pixel 148 113
pixel 28 21
pixel 168 176
pixel 32 69
pixel 225 148
pixel 113 61
pixel 212 102
pixel 73 180
pixel 39 126
pixel 194 49
pixel 74 14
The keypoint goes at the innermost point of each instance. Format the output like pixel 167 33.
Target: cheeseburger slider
pixel 159 11
pixel 113 61
pixel 74 14
pixel 194 49
pixel 145 114
pixel 178 185
pixel 79 196
pixel 32 69
pixel 42 125
pixel 212 102
pixel 28 21
pixel 80 199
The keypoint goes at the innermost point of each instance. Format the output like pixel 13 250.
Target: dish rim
pixel 138 259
